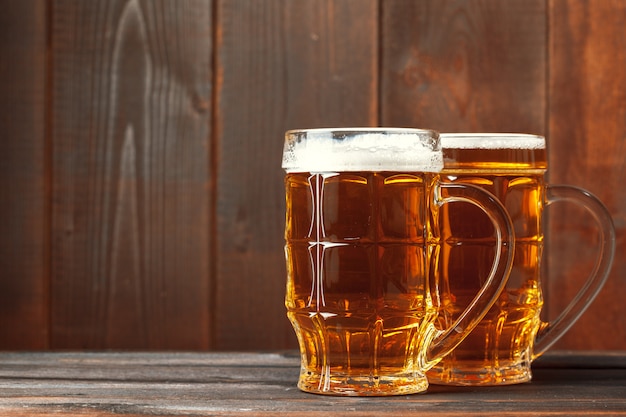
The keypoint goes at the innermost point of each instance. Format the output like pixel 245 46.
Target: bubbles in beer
pixel 362 149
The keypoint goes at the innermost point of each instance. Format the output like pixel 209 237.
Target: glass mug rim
pixel 379 149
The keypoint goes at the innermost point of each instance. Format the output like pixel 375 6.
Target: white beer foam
pixel 492 141
pixel 362 149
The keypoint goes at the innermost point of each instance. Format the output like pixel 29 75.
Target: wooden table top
pixel 216 384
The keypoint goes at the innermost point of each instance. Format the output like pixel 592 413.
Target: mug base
pixel 480 376
pixel 358 386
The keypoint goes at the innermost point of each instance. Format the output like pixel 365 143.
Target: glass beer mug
pixel 512 167
pixel 362 248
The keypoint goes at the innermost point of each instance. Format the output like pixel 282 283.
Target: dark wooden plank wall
pixel 131 214
pixel 465 66
pixel 24 176
pixel 142 200
pixel 280 65
pixel 587 126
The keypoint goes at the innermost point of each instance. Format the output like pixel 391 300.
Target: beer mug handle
pixel 550 332
pixel 446 340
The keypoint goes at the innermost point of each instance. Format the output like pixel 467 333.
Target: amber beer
pixel 361 251
pixel 511 167
pixel 358 274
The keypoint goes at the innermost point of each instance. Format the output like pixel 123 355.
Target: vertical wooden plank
pixel 470 65
pixel 281 65
pixel 24 220
pixel 131 164
pixel 588 149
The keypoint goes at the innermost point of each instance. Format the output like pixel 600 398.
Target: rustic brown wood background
pixel 140 141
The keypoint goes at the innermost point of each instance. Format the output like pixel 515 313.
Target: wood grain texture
pixel 142 207
pixel 24 215
pixel 464 65
pixel 281 65
pixel 215 384
pixel 131 229
pixel 588 149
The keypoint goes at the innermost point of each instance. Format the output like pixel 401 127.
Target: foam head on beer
pixel 362 149
pixel 492 141
pixel 494 151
